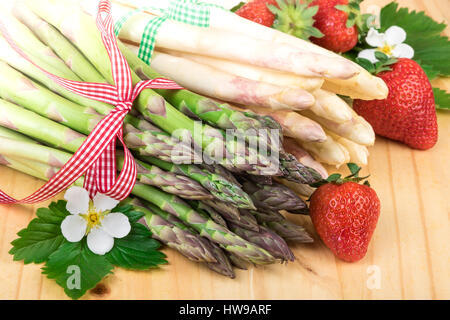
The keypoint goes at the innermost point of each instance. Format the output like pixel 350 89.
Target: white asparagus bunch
pixel 278 78
pixel 327 105
pixel 236 46
pixel 362 85
pixel 225 86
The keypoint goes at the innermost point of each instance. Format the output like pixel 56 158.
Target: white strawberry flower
pixel 94 219
pixel 390 43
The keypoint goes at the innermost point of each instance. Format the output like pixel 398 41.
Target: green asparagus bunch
pixel 221 264
pixel 173 205
pixel 193 247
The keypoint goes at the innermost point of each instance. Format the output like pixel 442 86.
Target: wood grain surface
pixel 408 257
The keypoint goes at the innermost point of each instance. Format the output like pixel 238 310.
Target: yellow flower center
pixel 387 50
pixel 93 218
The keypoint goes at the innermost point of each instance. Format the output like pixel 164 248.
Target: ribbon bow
pixel 96 157
pixel 192 12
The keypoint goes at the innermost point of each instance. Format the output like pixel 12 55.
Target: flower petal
pixel 73 228
pixel 77 200
pixel 368 54
pixel 116 224
pixel 395 35
pixel 403 50
pixel 104 203
pixel 375 39
pixel 99 242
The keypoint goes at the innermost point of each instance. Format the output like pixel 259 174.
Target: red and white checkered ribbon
pixel 96 157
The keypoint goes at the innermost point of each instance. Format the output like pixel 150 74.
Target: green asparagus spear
pixel 219 187
pixel 11 134
pixel 230 214
pixel 274 197
pixel 58 43
pixel 208 212
pixel 266 239
pixel 290 231
pixel 295 171
pixel 17 88
pixel 283 227
pixel 38 127
pixel 236 261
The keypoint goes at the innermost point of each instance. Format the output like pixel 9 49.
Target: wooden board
pixel 408 257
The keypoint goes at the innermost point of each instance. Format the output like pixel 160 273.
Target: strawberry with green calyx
pixel 408 113
pixel 296 18
pixel 345 214
pixel 332 22
pixel 258 11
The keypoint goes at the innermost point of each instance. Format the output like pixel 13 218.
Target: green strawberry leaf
pixel 42 236
pixel 366 64
pixel 137 250
pixel 423 34
pixel 334 177
pixel 237 7
pixel 76 268
pixel 442 99
pixel 384 63
pixel 354 169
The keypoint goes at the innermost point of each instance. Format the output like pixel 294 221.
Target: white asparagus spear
pixel 358 154
pixel 328 105
pixel 357 130
pixel 331 107
pixel 282 79
pixel 329 152
pixel 236 46
pixel 361 86
pixel 294 125
pixel 291 146
pixel 224 86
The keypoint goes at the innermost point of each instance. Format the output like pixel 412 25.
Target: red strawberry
pixel 408 114
pixel 258 11
pixel 345 215
pixel 332 22
pixel 294 17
